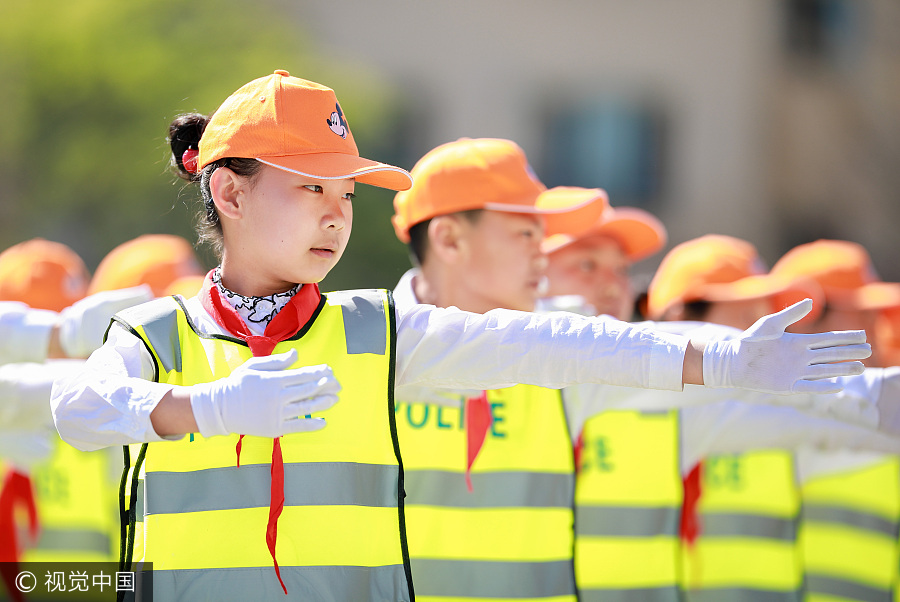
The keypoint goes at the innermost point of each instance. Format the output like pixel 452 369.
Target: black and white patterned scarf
pixel 257 312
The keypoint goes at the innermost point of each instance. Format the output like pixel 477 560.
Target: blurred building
pixel 777 121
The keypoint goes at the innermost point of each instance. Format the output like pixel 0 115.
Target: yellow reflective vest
pixel 75 495
pixel 341 534
pixel 747 548
pixel 849 533
pixel 511 537
pixel 628 496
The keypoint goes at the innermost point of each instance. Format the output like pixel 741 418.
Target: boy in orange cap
pixel 852 500
pixel 596 265
pixel 277 168
pixel 854 295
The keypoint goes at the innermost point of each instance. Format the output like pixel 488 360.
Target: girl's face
pixel 595 268
pixel 291 229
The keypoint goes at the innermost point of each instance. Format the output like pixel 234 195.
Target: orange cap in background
pixel 153 259
pixel 186 286
pixel 722 268
pixel 559 216
pixel 844 271
pixel 639 233
pixel 476 173
pixel 43 274
pixel 295 125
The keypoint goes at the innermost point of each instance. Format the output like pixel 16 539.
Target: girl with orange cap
pixel 277 167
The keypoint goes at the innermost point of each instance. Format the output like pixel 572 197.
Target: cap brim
pixel 872 296
pixel 782 293
pixel 571 211
pixel 639 233
pixel 339 166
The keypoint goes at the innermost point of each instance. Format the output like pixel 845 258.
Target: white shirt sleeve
pixel 24 332
pixel 735 427
pixel 109 401
pixel 450 348
pixel 25 393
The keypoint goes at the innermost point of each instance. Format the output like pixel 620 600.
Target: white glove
pixel 83 324
pixel 766 358
pixel 263 398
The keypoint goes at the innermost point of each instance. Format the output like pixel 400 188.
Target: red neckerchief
pixel 16 490
pixel 690 521
pixel 286 323
pixel 578 451
pixel 478 421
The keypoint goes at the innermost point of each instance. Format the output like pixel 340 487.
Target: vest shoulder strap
pixel 158 323
pixel 365 320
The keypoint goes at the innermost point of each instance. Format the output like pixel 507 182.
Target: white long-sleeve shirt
pixel 110 400
pixel 24 332
pixel 717 421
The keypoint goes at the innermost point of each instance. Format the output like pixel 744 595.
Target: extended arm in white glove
pixel 768 359
pixel 263 397
pixel 83 324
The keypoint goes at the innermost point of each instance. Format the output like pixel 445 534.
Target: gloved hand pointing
pixel 83 324
pixel 264 398
pixel 766 358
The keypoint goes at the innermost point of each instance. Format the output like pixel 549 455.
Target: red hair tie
pixel 189 160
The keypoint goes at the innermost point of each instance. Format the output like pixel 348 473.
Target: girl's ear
pixel 227 190
pixel 445 238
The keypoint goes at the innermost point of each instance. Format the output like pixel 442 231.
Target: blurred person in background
pixel 629 488
pixel 851 501
pixel 69 496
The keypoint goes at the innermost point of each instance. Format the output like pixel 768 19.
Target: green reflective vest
pixel 341 533
pixel 747 548
pixel 75 494
pixel 849 533
pixel 511 537
pixel 628 497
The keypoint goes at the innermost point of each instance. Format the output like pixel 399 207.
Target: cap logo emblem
pixel 337 123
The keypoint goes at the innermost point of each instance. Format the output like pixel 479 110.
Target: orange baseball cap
pixel 639 233
pixel 43 274
pixel 844 271
pixel 153 259
pixel 478 173
pixel 295 125
pixel 721 268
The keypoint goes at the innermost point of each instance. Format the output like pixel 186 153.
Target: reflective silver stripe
pixel 160 321
pixel 489 490
pixel 319 583
pixel 820 584
pixel 626 521
pixel 649 594
pixel 487 579
pixel 365 326
pixel 739 594
pixel 325 483
pixel 821 513
pixel 720 524
pixel 72 540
